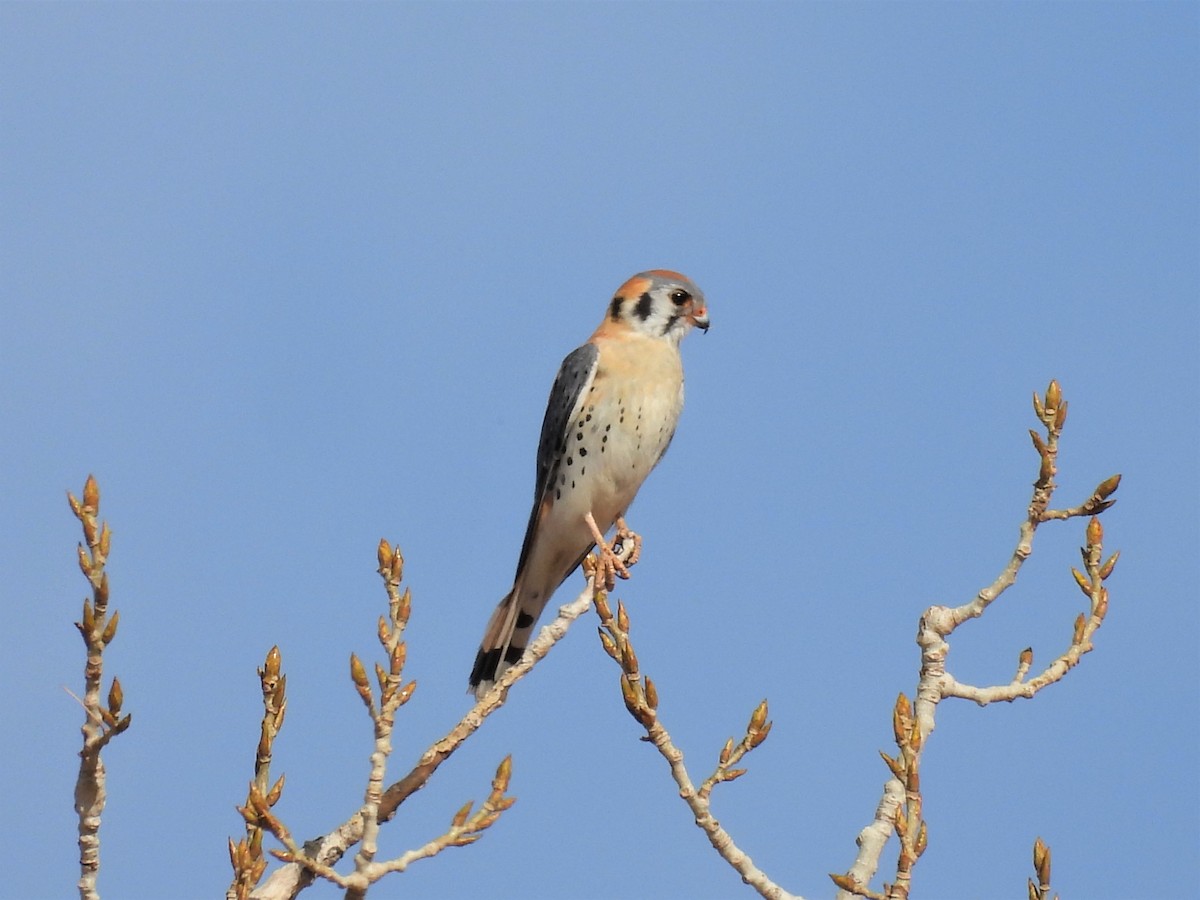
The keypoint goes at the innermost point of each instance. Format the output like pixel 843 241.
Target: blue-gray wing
pixel 575 376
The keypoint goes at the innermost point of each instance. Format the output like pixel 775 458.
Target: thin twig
pixel 102 722
pixel 641 699
pixel 246 856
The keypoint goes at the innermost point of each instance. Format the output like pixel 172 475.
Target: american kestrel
pixel 610 417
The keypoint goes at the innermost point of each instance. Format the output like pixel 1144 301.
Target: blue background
pixel 290 278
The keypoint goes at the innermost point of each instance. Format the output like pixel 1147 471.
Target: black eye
pixel 680 297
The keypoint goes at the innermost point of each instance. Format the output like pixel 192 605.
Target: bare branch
pixel 393 694
pixel 465 828
pixel 899 810
pixel 641 699
pixel 246 856
pixel 102 721
pixel 319 855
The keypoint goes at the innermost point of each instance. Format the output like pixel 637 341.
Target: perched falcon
pixel 610 417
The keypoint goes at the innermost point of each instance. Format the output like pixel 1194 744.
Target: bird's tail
pixel 504 640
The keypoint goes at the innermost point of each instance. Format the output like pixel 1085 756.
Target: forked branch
pixel 900 809
pixel 317 857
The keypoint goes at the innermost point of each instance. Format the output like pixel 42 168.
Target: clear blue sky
pixel 290 278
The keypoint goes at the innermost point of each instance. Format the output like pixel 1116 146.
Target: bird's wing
pixel 567 396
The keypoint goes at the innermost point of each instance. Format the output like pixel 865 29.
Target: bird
pixel 610 417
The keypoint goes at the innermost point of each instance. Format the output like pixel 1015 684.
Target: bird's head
pixel 660 304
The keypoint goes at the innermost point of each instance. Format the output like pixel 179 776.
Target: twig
pixel 393 694
pixel 319 855
pixel 101 722
pixel 1040 889
pixel 899 810
pixel 246 855
pixel 641 699
pixel 465 829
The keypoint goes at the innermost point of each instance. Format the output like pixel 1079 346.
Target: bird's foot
pixel 611 562
pixel 626 534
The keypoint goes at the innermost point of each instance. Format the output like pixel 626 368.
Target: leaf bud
pixel 651 694
pixel 91 493
pixel 1108 486
pixel 1053 395
pixel 357 673
pixel 758 718
pixel 110 630
pixel 622 617
pixel 1082 580
pixel 116 697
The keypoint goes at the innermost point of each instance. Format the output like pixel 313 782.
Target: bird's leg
pixel 610 563
pixel 625 533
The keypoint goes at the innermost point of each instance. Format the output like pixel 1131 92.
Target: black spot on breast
pixel 524 620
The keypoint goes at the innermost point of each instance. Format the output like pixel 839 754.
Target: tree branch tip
pixel 91 494
pixel 503 774
pixel 384 555
pixel 461 816
pixel 1107 486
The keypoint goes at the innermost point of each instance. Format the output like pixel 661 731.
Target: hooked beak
pixel 699 318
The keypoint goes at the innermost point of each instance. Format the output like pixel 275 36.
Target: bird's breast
pixel 622 429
